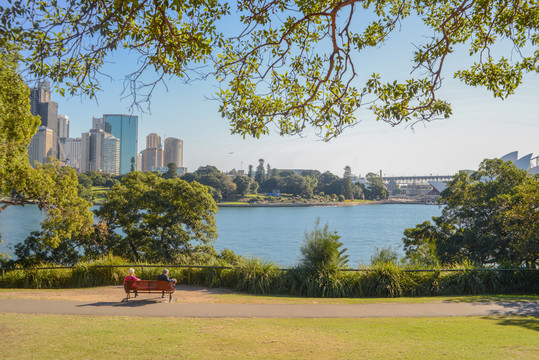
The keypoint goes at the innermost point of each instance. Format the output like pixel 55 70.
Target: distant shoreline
pixel 333 204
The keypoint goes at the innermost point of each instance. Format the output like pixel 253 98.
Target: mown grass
pixel 241 298
pixel 100 193
pixel 91 337
pixel 261 299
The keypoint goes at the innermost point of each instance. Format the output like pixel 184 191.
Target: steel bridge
pixel 417 179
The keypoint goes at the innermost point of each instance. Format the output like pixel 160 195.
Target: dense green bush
pixel 322 251
pixel 262 277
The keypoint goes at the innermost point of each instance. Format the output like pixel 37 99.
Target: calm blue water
pixel 276 234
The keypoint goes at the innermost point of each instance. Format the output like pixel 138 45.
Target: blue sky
pixel 481 126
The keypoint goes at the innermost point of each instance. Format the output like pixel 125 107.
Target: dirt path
pixel 184 294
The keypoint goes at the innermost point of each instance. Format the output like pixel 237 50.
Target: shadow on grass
pixel 527 322
pixel 492 298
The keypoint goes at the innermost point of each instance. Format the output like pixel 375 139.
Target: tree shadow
pixel 527 322
pixel 493 298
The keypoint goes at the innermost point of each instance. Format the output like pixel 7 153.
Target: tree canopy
pixel 291 65
pixel 51 187
pixel 162 219
pixel 490 217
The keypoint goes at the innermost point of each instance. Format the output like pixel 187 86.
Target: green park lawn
pixel 220 296
pixel 100 193
pixel 238 298
pixel 107 337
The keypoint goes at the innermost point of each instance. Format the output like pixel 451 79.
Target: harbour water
pixel 276 234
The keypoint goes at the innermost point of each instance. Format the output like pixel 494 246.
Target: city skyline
pixel 480 127
pixel 433 148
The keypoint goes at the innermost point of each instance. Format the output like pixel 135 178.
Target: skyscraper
pixel 72 152
pixel 173 152
pixel 41 146
pixel 97 123
pixel 41 104
pixel 63 126
pixel 63 134
pixel 111 155
pixel 92 150
pixel 39 94
pixel 153 141
pixel 152 158
pixel 125 128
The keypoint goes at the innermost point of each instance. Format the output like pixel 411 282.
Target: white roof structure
pixel 439 186
pixel 512 156
pixel 524 163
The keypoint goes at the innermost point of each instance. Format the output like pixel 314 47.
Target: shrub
pixel 257 276
pixel 384 255
pixel 321 250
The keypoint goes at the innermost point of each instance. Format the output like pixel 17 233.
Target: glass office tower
pixel 125 128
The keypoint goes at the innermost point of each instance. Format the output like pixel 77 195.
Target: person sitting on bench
pixel 131 277
pixel 164 277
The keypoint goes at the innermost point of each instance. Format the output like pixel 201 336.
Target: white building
pixel 111 155
pixel 91 150
pixel 63 126
pixel 527 162
pixel 41 146
pixel 72 152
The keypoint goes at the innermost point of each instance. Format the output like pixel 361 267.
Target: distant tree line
pixel 306 185
pixel 228 186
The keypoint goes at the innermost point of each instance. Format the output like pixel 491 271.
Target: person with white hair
pixel 131 276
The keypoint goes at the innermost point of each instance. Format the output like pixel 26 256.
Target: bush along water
pixel 262 277
pixel 321 272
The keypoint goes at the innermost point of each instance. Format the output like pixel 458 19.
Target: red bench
pixel 148 286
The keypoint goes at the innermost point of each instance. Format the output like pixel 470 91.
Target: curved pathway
pixel 156 307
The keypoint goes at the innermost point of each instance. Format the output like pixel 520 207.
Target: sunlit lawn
pixel 223 297
pixel 91 337
pixel 261 299
pixel 100 192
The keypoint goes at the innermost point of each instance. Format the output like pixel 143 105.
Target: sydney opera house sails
pixel 526 162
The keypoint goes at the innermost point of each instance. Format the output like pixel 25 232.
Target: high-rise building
pixel 39 94
pixel 72 152
pixel 152 158
pixel 111 155
pixel 41 104
pixel 63 134
pixel 139 161
pixel 63 126
pixel 98 123
pixel 41 146
pixel 153 141
pixel 173 152
pixel 125 128
pixel 92 150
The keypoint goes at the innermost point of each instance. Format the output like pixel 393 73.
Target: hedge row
pixel 259 277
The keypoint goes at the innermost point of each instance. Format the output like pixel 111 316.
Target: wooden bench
pixel 148 286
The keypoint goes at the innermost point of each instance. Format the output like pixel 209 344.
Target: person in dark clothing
pixel 164 277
